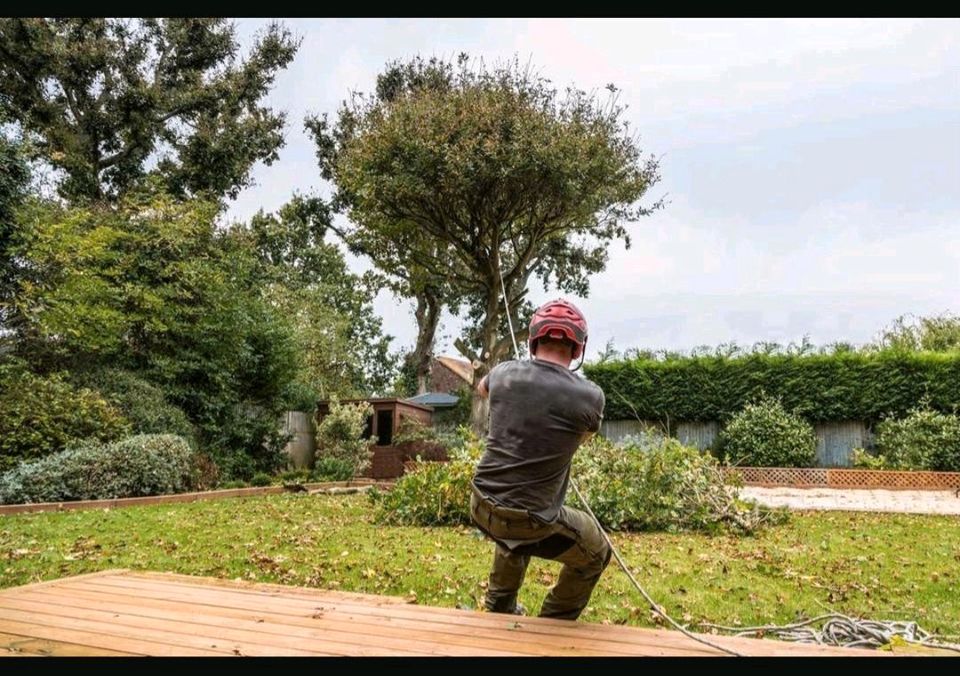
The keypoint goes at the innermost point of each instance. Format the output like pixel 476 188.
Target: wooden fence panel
pixel 699 435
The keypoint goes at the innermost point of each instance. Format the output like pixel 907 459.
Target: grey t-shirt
pixel 539 414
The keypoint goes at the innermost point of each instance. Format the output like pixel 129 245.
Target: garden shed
pixel 383 424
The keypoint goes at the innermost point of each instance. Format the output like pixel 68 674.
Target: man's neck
pixel 553 358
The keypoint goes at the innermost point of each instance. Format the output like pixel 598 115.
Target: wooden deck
pixel 125 613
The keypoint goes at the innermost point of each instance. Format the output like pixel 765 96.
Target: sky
pixel 810 167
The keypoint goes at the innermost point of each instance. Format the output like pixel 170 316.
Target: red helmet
pixel 559 319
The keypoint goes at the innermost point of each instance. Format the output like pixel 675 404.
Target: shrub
pixel 295 476
pixel 864 460
pixel 204 473
pixel 764 434
pixel 660 485
pixel 40 415
pixel 332 469
pixel 340 435
pixel 433 493
pixel 247 441
pixel 147 464
pixel 235 484
pixel 141 402
pixel 924 440
pixel 416 440
pixel 261 479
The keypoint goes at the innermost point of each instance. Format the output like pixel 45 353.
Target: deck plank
pixel 122 612
pixel 345 620
pixel 250 637
pixel 365 603
pixel 421 616
pixel 25 646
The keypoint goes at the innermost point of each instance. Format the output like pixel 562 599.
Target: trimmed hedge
pixel 843 386
pixel 146 464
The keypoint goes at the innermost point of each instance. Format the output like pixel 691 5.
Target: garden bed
pixel 178 497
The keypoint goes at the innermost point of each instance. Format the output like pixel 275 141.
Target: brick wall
pixel 443 379
pixel 386 463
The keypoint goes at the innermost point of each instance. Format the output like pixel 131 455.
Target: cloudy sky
pixel 811 167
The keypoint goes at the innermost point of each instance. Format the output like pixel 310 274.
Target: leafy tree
pixel 940 333
pixel 110 101
pixel 339 338
pixel 150 286
pixel 452 174
pixel 406 258
pixel 608 353
pixel 14 178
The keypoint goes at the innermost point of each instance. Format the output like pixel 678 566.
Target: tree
pixel 110 101
pixel 405 257
pixel 940 333
pixel 609 353
pixel 14 178
pixel 149 285
pixel 340 340
pixel 499 172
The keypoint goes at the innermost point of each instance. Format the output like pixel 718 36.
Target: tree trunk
pixel 428 318
pixel 480 408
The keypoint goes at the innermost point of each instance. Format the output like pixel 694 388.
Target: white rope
pixel 653 604
pixel 842 630
pixel 506 305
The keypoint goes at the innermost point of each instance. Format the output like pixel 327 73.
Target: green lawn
pixel 884 566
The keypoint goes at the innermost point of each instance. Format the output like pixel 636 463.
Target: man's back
pixel 539 414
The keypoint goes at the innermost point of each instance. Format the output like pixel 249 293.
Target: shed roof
pixel 435 399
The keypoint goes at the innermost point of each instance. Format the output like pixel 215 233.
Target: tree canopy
pixel 470 172
pixel 110 101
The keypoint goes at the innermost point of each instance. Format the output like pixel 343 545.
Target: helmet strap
pixel 583 355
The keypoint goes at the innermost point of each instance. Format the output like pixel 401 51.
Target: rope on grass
pixel 843 631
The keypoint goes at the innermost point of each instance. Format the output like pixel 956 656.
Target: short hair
pixel 549 340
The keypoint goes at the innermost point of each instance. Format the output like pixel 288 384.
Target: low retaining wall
pixel 169 499
pixel 386 463
pixel 846 478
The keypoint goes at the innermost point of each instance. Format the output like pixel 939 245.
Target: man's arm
pixel 483 388
pixel 596 418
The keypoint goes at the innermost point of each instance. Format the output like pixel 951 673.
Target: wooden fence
pixel 835 440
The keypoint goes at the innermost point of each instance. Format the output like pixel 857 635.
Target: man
pixel 540 413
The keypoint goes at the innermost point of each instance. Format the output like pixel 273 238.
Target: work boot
pixel 518 609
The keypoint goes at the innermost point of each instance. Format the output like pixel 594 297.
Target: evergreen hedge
pixel 821 388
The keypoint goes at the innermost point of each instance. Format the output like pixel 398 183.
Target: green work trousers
pixel 574 540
